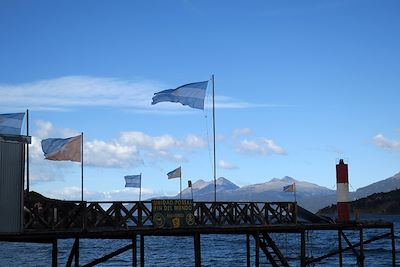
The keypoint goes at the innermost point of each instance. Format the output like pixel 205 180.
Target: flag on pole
pixel 289 188
pixel 62 149
pixel 191 94
pixel 175 173
pixel 11 123
pixel 133 180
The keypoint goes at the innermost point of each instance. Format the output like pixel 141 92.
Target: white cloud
pixel 45 129
pixel 131 149
pixel 241 131
pixel 382 142
pixel 226 165
pixel 261 147
pixel 77 91
pixel 110 154
pixel 194 141
pixel 64 93
pixel 274 147
pixel 163 142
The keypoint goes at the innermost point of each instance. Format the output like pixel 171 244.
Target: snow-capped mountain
pixel 264 192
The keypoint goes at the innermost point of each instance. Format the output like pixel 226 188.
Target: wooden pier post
pixel 257 237
pixel 77 252
pixel 303 249
pixel 248 250
pixel 197 250
pixel 361 256
pixel 134 251
pixel 141 250
pixel 393 246
pixel 340 248
pixel 54 253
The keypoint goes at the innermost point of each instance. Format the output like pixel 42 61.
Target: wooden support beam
pixel 74 254
pixel 355 252
pixel 141 250
pixel 54 253
pixel 134 251
pixel 197 250
pixel 303 249
pixel 392 234
pixel 340 248
pixel 361 257
pixel 248 250
pixel 351 247
pixel 108 256
pixel 257 239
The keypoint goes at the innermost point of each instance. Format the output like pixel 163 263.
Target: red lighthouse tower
pixel 342 191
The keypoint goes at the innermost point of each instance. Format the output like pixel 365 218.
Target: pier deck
pixel 53 220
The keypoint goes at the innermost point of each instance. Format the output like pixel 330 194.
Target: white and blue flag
pixel 11 123
pixel 191 94
pixel 133 180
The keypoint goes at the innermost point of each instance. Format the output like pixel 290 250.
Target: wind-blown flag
pixel 289 188
pixel 175 173
pixel 133 180
pixel 11 123
pixel 191 94
pixel 62 149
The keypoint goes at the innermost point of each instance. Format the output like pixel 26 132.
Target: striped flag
pixel 11 123
pixel 133 180
pixel 191 94
pixel 62 149
pixel 175 173
pixel 289 188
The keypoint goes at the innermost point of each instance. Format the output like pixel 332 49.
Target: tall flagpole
pixel 140 189
pixel 27 152
pixel 82 166
pixel 215 164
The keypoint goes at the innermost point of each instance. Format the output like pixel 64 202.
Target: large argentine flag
pixel 191 94
pixel 62 149
pixel 11 123
pixel 133 180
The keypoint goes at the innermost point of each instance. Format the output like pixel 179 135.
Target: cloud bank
pixel 64 93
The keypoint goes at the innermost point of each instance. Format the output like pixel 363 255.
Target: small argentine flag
pixel 175 173
pixel 133 180
pixel 289 188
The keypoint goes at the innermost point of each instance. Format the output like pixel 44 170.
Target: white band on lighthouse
pixel 342 192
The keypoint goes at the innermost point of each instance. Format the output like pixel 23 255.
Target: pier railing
pixel 69 215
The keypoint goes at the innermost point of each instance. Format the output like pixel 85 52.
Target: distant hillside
pixel 386 185
pixel 377 203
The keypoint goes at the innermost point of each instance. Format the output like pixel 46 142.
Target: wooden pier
pixel 53 220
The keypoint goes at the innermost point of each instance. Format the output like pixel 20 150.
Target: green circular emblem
pixel 158 220
pixel 189 219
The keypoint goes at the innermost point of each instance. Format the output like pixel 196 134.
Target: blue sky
pixel 299 84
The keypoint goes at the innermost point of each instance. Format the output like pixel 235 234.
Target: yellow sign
pixel 172 213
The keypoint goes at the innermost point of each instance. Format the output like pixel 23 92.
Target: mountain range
pixel 308 195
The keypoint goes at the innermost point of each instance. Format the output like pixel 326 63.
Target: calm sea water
pixel 216 250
